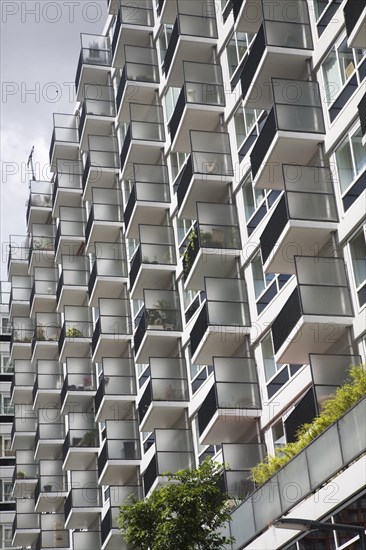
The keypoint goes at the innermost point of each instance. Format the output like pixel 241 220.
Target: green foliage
pixel 191 243
pixel 185 514
pixel 73 332
pixel 333 408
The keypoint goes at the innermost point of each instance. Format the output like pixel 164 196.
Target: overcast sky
pixel 39 51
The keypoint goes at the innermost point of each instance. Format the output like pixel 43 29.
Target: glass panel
pixel 352 431
pixel 267 504
pixel 321 470
pixel 358 255
pixel 344 162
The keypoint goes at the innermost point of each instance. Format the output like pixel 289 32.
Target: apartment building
pixel 7 458
pixel 192 282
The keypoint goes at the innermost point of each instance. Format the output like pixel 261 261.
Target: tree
pixel 185 514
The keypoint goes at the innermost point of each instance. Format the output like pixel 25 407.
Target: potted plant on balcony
pixel 73 332
pixel 191 244
pixel 47 488
pixel 41 332
pixel 89 439
pixel 21 474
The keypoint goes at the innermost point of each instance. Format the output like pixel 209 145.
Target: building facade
pixel 7 457
pixel 192 282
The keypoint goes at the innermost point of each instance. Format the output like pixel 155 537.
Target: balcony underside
pixel 76 400
pixel 103 232
pixel 188 47
pixel 157 343
pixel 195 117
pixel 219 341
pixel 249 17
pixel 65 150
pixel 82 518
pixel 111 345
pixel 75 295
pixel 65 197
pixel 24 487
pixel 229 426
pixel 163 414
pixel 41 258
pixel 219 261
pixel 43 303
pixel 118 407
pixel 282 62
pixel 48 449
pixel 114 541
pixel 99 176
pixel 22 441
pixel 17 268
pixel 298 237
pixel 69 246
pixel 107 287
pixel 299 146
pixel 38 215
pixel 95 125
pixel 133 35
pixel 312 334
pixel 21 394
pixel 79 458
pixel 146 213
pixel 140 150
pixel 50 502
pixel 152 277
pixel 118 472
pixel 45 350
pixel 357 38
pixel 136 92
pixel 46 397
pixel 20 350
pixel 95 74
pixel 75 347
pixel 25 537
pixel 200 187
pixel 168 12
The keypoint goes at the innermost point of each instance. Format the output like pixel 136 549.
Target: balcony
pixel 193 37
pixel 83 504
pixel 84 540
pixel 53 538
pixel 50 435
pixel 166 395
pixel 120 455
pixel 223 323
pixel 73 281
pixel 247 15
pixel 41 246
pixel 116 391
pixel 51 489
pixel 23 431
pixel 79 386
pixel 81 443
pixel 159 326
pixel 293 129
pixel 133 26
pixel 173 452
pixel 22 382
pixel 76 332
pixel 46 336
pixel 355 19
pixel 113 6
pixel 98 111
pixel 18 253
pixel 110 533
pixel 154 261
pixel 138 80
pixel 48 383
pixel 108 276
pixel 20 293
pixel 65 139
pixel 21 338
pixel 148 199
pixel 94 62
pixel 25 475
pixel 26 525
pixel 306 214
pixel 233 402
pixel 70 233
pixel 101 165
pixel 113 329
pixel 346 439
pixel 362 116
pixel 281 47
pixel 317 312
pixel 199 104
pixel 43 294
pixel 213 244
pixel 105 219
pixel 143 137
pixel 67 187
pixel 39 203
pixel 241 457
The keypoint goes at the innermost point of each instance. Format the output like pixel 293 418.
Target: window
pixel 6 488
pixel 5 325
pixel 278 434
pixel 260 279
pixel 338 67
pixel 164 38
pixel 6 536
pixel 171 98
pixel 5 365
pixel 350 159
pixel 358 256
pixel 319 7
pixel 5 447
pixel 177 161
pixel 5 405
pixel 270 367
pixel 237 48
pixel 257 202
pixel 245 119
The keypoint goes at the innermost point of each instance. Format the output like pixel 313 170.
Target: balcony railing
pixel 241 457
pixel 95 50
pixel 103 105
pixel 347 440
pixel 68 177
pixel 303 114
pixel 114 320
pixel 103 213
pixel 59 538
pixel 75 331
pixel 65 131
pixel 40 196
pixel 50 431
